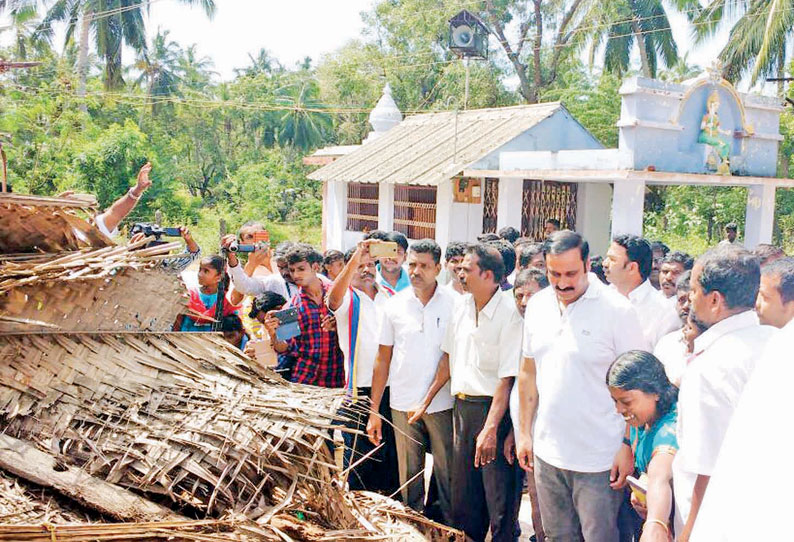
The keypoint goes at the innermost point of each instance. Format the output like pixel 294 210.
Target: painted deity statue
pixel 711 135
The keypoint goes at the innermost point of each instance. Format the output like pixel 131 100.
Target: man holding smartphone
pixel 357 302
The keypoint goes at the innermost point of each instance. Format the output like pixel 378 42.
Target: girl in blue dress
pixel 647 401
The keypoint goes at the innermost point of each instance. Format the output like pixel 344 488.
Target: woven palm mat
pixel 38 224
pixel 109 289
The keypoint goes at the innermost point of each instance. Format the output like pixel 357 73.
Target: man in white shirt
pixel 357 303
pixel 627 267
pixel 257 285
pixel 412 328
pixel 775 304
pixel 673 349
pixel 741 505
pixel 481 345
pixel 573 331
pixel 725 283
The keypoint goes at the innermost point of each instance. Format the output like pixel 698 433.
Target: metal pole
pixel 466 91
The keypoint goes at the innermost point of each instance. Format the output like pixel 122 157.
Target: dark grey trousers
pixel 432 433
pixel 486 496
pixel 577 506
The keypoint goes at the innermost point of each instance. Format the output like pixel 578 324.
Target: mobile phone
pixel 288 324
pixel 172 232
pixel 638 487
pixel 383 249
pixel 261 237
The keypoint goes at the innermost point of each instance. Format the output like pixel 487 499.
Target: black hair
pixel 637 250
pixel 531 275
pixel 509 233
pixel 427 246
pixel 661 247
pixel 302 253
pixel 399 238
pixel 490 259
pixel 218 263
pixel 230 323
pixel 766 252
pixel 315 257
pixel 282 248
pixel 266 302
pixel 380 235
pixel 732 271
pixel 731 226
pixel 454 249
pixel 597 268
pixel 784 268
pixel 349 254
pixel 554 222
pixel 508 254
pixel 332 256
pixel 683 284
pixel 526 252
pixel 565 240
pixel 638 370
pixel 487 237
pixel 679 257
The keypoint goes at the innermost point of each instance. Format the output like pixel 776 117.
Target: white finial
pixel 385 116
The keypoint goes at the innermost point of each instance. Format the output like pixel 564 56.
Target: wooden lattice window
pixel 490 200
pixel 362 206
pixel 415 211
pixel 543 200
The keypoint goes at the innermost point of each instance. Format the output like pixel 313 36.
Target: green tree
pixel 303 125
pixel 160 68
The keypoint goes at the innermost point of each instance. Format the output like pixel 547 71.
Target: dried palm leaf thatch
pixel 20 503
pixel 112 288
pixel 38 224
pixel 182 418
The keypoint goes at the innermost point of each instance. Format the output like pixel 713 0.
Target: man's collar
pixel 641 292
pixel 490 308
pixel 730 324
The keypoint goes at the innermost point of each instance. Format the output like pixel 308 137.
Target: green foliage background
pixel 233 150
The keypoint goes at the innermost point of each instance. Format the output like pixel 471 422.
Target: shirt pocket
pixel 487 353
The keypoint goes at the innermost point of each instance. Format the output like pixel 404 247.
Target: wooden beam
pixel 28 462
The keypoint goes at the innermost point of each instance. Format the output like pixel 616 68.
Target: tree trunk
pixel 536 50
pixel 781 70
pixel 82 58
pixel 640 39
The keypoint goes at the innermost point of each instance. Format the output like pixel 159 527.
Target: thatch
pixel 185 420
pixel 108 289
pixel 39 224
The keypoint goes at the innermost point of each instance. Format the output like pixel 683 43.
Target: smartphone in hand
pixel 383 249
pixel 288 324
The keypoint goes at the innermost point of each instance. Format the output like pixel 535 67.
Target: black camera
pixel 150 230
pixel 236 247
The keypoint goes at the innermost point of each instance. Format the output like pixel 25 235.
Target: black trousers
pixel 482 497
pixel 379 471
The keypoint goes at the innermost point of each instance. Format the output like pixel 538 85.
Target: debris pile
pixel 155 435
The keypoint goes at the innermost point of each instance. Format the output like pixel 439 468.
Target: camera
pixel 150 230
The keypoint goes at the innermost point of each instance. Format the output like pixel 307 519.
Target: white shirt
pixel 671 351
pixel 740 504
pixel 577 427
pixel 416 331
pixel 448 286
pixel 258 285
pixel 657 316
pixel 99 221
pixel 483 348
pixel 370 313
pixel 723 359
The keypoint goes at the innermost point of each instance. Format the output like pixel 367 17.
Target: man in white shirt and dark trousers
pixel 725 283
pixel 627 266
pixel 357 302
pixel 413 326
pixel 482 346
pixel 576 447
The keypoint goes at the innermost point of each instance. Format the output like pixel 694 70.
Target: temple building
pixel 455 175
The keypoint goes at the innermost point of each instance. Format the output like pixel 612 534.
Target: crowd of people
pixel 618 391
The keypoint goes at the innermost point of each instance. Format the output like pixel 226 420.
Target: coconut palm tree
pixel 24 19
pixel 195 70
pixel 758 39
pixel 625 24
pixel 159 67
pixel 113 23
pixel 303 125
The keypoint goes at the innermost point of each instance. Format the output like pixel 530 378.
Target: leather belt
pixel 473 398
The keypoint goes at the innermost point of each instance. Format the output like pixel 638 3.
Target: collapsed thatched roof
pixel 108 289
pixel 39 224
